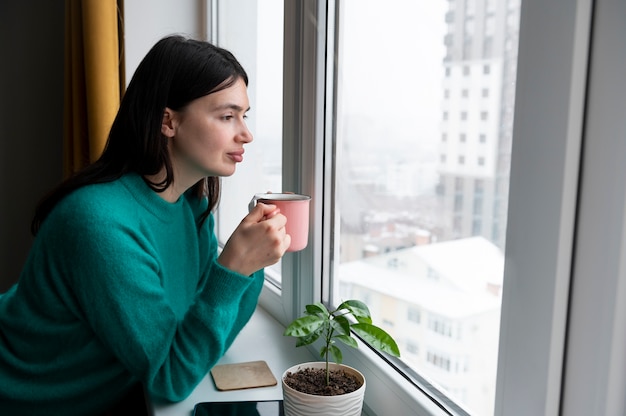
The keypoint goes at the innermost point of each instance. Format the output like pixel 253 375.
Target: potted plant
pixel 307 386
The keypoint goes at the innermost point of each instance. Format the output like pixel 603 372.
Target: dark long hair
pixel 175 72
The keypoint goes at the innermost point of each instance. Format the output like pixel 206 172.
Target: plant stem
pixel 329 336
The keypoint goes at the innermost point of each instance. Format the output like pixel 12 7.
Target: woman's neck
pixel 172 193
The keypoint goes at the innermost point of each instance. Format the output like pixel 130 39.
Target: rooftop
pixel 450 278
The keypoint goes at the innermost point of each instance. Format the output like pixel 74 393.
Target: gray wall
pixel 31 120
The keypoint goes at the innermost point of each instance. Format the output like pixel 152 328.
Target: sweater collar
pixel 149 198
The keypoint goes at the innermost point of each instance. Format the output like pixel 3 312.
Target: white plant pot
pixel 303 404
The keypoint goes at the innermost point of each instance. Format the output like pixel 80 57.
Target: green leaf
pixel 335 352
pixel 323 352
pixel 309 339
pixel 304 326
pixel 317 308
pixel 377 338
pixel 348 340
pixel 341 325
pixel 358 309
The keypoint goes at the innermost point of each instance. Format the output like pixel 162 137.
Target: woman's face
pixel 206 137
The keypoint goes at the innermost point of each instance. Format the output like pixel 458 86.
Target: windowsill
pixel 261 339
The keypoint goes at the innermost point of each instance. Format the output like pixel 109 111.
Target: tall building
pixel 477 117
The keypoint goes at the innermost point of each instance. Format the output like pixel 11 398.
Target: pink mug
pixel 296 208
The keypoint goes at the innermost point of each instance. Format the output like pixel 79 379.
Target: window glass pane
pixel 255 36
pixel 422 219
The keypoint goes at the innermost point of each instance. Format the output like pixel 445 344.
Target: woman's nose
pixel 245 135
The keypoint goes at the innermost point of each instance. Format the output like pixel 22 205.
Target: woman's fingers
pixel 259 241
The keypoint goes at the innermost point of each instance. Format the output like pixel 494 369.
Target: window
pixel 458 185
pixel 371 138
pixel 438 359
pixel 488 50
pixel 469 27
pixel 440 325
pixel 414 315
pixel 458 203
pixel 479 187
pixel 450 17
pixel 490 25
pixel 412 348
pixel 543 268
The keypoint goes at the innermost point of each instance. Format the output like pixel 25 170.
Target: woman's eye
pixel 229 117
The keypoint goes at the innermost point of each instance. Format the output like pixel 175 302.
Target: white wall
pixel 147 21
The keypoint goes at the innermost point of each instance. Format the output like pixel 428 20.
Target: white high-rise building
pixel 477 117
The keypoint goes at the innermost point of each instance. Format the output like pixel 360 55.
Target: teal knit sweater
pixel 120 286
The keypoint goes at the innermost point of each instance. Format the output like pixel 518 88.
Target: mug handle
pixel 255 198
pixel 252 202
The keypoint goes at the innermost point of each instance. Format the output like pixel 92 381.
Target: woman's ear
pixel 167 125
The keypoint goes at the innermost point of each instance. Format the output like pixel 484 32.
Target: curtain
pixel 94 78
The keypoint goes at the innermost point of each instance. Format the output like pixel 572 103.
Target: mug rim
pixel 281 196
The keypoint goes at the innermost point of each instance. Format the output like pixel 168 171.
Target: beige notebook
pixel 242 376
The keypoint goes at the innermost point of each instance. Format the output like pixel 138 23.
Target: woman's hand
pixel 258 241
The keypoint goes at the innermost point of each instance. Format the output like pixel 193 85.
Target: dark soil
pixel 313 381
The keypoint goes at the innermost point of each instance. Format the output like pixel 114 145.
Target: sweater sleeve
pixel 208 330
pixel 249 298
pixel 114 276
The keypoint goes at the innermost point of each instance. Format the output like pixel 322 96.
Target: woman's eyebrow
pixel 232 107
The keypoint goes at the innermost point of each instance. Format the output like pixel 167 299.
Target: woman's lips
pixel 236 156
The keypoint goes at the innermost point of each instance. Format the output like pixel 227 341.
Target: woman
pixel 123 284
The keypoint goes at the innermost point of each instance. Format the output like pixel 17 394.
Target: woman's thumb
pixel 263 212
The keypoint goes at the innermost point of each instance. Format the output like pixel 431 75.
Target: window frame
pixel 595 368
pixel 303 101
pixel 543 197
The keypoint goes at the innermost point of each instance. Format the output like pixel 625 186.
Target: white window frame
pixel 595 370
pixel 545 167
pixel 303 150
